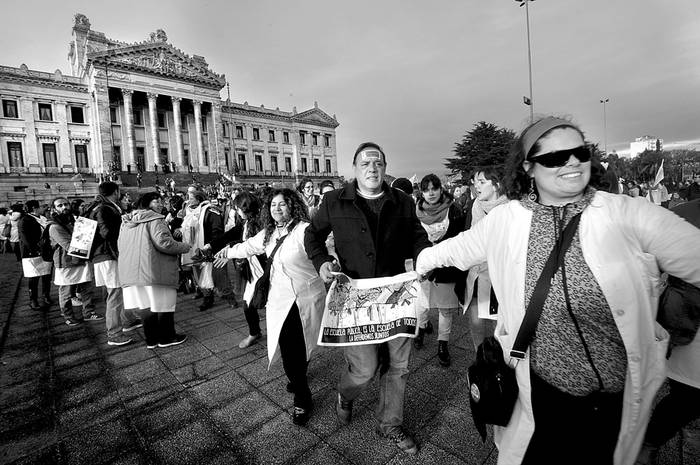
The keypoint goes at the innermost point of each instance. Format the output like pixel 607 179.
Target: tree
pixel 485 146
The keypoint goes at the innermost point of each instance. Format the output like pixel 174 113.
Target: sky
pixel 415 76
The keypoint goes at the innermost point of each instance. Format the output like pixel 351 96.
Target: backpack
pixel 45 248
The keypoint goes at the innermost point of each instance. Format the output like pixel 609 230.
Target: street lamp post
pixel 528 101
pixel 605 124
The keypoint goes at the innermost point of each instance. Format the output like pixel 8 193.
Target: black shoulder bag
pixel 262 286
pixel 493 387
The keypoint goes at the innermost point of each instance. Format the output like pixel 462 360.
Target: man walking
pixel 30 229
pixel 72 274
pixel 376 230
pixel 107 212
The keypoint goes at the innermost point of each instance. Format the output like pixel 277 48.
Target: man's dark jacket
pixel 109 220
pixel 399 233
pixel 29 235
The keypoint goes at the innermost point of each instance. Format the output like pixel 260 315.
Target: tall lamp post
pixel 605 124
pixel 528 101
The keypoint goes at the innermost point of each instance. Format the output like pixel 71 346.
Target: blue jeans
pixel 116 317
pixel 363 362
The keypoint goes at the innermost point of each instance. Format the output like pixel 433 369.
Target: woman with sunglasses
pixel 597 357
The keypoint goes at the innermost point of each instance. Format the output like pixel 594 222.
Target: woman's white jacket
pixel 292 278
pixel 624 241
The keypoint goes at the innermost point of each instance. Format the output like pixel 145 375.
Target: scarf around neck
pixel 429 214
pixel 481 208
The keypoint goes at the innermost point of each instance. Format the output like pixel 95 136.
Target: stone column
pixel 153 124
pixel 129 123
pixel 198 132
pixel 218 132
pixel 178 133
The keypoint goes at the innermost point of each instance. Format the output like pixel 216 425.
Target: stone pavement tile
pixel 13 374
pixel 244 413
pixel 360 443
pixel 180 355
pixel 220 342
pixel 277 390
pixel 221 389
pixel 327 364
pixel 420 408
pixel 321 454
pixel 257 373
pixel 77 345
pixel 136 457
pixel 429 453
pixel 148 391
pixel 86 391
pixel 277 441
pixel 236 358
pixel 96 410
pixel 78 374
pixel 149 368
pixel 200 371
pixel 215 328
pixel 19 392
pixel 437 380
pixel 130 354
pixel 45 456
pixel 101 442
pixel 168 415
pixel 324 420
pixel 188 445
pixel 191 320
pixel 24 429
pixel 70 360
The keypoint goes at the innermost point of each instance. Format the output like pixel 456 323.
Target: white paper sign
pixel 83 235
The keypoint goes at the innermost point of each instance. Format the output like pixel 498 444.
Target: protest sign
pixel 83 234
pixel 369 311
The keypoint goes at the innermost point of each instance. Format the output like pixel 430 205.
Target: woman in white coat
pixel 590 375
pixel 297 295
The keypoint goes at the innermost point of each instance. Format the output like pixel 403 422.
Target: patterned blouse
pixel 557 354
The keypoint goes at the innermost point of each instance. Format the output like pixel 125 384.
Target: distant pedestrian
pixel 35 268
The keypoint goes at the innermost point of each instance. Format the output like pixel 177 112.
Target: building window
pixel 113 115
pixel 273 164
pixel 302 138
pixel 326 140
pixel 138 117
pixel 285 137
pixel 239 132
pixel 45 113
pixel 241 162
pixel 258 163
pixel 304 165
pixel 256 134
pixel 317 165
pixel 49 152
pixel 14 150
pixel 76 115
pixel 328 166
pixel 140 158
pixel 206 158
pixel 227 154
pixel 288 164
pixel 9 109
pixel 271 135
pixel 81 156
pixel 225 128
pixel 204 124
pixel 186 157
pixel 117 155
pixel 162 120
pixel 314 139
pixel 183 122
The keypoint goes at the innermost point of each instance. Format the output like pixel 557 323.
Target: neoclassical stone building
pixel 149 107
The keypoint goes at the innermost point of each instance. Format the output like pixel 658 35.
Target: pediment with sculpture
pixel 316 116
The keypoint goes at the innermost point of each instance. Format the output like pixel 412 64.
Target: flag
pixel 413 179
pixel 527 101
pixel 659 174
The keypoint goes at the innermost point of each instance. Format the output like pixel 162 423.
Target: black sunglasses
pixel 561 157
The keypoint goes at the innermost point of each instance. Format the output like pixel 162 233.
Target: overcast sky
pixel 414 76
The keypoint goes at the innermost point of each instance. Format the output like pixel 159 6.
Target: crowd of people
pixel 588 380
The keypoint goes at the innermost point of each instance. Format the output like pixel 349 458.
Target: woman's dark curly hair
pixel 493 174
pixel 517 181
pixel 249 204
pixel 425 183
pixel 297 210
pixel 146 199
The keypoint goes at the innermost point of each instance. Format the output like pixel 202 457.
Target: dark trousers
pixel 293 350
pixel 33 284
pixel 253 319
pixel 158 327
pixel 677 409
pixel 17 251
pixel 572 429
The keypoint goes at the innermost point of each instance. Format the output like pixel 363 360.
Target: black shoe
pixel 197 295
pixel 207 303
pixel 401 439
pixel 300 415
pixel 178 339
pixel 418 341
pixel 429 328
pixel 343 408
pixel 443 354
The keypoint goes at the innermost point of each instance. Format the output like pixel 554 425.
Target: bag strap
pixel 268 264
pixel 534 309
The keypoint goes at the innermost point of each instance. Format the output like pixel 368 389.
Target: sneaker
pixel 207 303
pixel 249 341
pixel 343 408
pixel 443 354
pixel 92 316
pixel 300 415
pixel 119 340
pixel 178 339
pixel 151 346
pixel 132 326
pixel 401 439
pixel 72 322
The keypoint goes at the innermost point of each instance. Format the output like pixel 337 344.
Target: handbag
pixel 679 312
pixel 493 387
pixel 262 286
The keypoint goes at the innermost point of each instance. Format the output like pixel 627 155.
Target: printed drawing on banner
pixel 369 311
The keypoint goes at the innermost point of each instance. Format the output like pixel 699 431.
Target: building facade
pixel 149 107
pixel 643 143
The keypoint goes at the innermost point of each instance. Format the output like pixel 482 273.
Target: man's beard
pixel 64 218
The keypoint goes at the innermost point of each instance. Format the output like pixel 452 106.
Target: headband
pixel 540 128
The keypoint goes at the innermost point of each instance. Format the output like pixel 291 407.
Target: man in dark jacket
pixel 376 230
pixel 107 212
pixel 30 230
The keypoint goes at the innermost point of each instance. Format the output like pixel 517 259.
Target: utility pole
pixel 604 101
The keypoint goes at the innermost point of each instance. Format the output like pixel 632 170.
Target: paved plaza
pixel 66 397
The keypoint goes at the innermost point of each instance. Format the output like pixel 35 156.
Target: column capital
pixel 127 92
pixel 197 102
pixel 152 95
pixel 175 99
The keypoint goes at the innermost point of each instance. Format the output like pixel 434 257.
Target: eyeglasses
pixel 561 157
pixel 62 205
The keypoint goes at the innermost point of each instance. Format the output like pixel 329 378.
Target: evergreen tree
pixel 486 145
